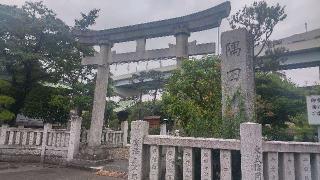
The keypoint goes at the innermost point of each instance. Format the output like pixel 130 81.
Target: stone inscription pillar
pixel 100 93
pixel 154 163
pixel 251 151
pixel 182 46
pixel 74 140
pixel 271 170
pixel 315 161
pixel 124 129
pixel 225 165
pixel 287 169
pixel 237 72
pixel 171 163
pixel 206 164
pixel 139 129
pixel 188 164
pixel 303 166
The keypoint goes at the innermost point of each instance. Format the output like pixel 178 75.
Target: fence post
pixel 74 140
pixel 139 129
pixel 163 129
pixel 251 151
pixel 124 129
pixel 3 137
pixel 46 128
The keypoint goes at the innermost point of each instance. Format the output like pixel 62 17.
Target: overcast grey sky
pixel 116 13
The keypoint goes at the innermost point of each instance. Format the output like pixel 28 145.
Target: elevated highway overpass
pixel 303 51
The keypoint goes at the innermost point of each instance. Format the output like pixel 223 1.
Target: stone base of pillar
pixel 99 156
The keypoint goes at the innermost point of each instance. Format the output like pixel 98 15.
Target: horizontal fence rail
pixel 209 143
pixel 294 147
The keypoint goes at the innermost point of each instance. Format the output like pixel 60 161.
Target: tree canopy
pixel 38 48
pixel 5 102
pixel 192 98
pixel 260 20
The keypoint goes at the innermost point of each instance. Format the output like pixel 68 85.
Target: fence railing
pixel 269 160
pixel 110 137
pixel 22 137
pixel 57 141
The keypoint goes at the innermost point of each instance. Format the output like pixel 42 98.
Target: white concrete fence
pixel 269 160
pixel 55 145
pixel 110 138
pixel 46 143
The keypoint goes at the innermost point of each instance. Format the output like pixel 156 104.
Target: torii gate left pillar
pixel 100 93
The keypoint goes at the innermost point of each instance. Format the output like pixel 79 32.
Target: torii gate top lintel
pixel 195 22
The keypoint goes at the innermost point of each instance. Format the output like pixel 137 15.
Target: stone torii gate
pixel 180 27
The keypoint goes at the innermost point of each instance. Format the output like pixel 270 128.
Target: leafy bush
pixel 5 103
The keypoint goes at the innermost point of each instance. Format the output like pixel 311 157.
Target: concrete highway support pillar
pixel 182 46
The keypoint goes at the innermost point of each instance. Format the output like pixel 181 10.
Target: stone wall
pixel 20 155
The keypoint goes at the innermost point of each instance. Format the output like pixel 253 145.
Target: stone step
pixel 117 165
pixel 7 165
pixel 104 165
pixel 92 165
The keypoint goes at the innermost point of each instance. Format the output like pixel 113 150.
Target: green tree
pixel 260 20
pixel 146 82
pixel 47 103
pixel 192 97
pixel 278 99
pixel 37 47
pixel 147 108
pixel 158 80
pixel 5 102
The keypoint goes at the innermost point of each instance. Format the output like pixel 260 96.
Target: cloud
pixel 117 13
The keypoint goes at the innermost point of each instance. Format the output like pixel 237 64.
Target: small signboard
pixel 313 107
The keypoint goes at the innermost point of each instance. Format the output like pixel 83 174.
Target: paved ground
pixel 22 171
